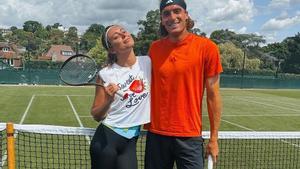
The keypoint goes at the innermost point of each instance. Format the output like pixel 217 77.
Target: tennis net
pixel 51 147
pixel 3 152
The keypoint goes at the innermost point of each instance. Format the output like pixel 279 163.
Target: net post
pixel 10 146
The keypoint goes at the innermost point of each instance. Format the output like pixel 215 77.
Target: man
pixel 183 65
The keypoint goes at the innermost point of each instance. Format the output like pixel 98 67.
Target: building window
pixel 10 62
pixel 5 49
pixel 67 53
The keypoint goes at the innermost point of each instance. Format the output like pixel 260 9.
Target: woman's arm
pixel 103 99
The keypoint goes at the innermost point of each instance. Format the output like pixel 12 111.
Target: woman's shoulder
pixel 108 69
pixel 144 59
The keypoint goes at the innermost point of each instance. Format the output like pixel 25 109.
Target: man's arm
pixel 214 107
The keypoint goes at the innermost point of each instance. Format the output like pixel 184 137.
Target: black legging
pixel 109 150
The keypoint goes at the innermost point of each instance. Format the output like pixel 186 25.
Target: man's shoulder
pixel 158 41
pixel 204 41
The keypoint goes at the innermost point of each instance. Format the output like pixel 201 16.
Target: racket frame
pixel 88 83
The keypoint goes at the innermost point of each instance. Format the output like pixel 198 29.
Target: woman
pixel 114 143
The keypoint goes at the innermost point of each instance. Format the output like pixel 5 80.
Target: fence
pixel 50 77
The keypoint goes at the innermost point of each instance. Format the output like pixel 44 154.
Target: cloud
pixel 283 3
pixel 226 14
pixel 279 3
pixel 209 15
pixel 233 11
pixel 275 24
pixel 75 12
pixel 242 30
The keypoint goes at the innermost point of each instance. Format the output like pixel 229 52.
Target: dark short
pixel 163 151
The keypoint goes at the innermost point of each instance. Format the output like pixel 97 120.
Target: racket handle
pixel 119 92
pixel 210 163
pixel 122 94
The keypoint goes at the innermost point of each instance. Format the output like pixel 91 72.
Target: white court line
pixel 260 115
pixel 86 116
pixel 235 124
pixel 27 109
pixel 243 127
pixel 267 99
pixel 75 112
pixel 64 95
pixel 77 117
pixel 271 105
pixel 21 122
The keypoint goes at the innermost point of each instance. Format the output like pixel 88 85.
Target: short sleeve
pixel 213 65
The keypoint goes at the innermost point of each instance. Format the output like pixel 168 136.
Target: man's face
pixel 173 18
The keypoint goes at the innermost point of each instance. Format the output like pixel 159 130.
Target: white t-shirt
pixel 136 81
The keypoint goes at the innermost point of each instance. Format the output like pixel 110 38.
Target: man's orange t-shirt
pixel 179 71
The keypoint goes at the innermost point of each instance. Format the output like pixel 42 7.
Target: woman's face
pixel 120 39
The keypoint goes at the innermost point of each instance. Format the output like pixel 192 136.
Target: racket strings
pixel 78 70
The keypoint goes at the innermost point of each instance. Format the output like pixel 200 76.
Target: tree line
pixel 238 51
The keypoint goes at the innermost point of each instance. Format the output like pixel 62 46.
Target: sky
pixel 272 19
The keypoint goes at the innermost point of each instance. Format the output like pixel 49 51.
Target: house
pixel 4 31
pixel 58 53
pixel 11 54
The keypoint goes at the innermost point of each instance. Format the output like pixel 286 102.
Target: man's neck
pixel 179 37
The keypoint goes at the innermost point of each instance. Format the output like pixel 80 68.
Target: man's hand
pixel 212 149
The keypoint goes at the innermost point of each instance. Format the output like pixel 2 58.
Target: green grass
pixel 259 110
pixel 243 110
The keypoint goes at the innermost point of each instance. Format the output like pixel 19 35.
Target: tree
pixel 197 31
pixel 232 58
pixel 222 36
pixel 292 62
pixel 13 28
pixel 56 25
pixel 56 36
pixel 98 53
pixel 1 37
pixel 71 38
pixel 32 26
pixel 279 51
pixel 88 40
pixel 148 32
pixel 240 40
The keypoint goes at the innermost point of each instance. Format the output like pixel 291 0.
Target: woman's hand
pixel 111 89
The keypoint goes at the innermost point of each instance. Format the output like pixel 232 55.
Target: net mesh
pixel 259 150
pixel 3 152
pixel 78 70
pixel 41 146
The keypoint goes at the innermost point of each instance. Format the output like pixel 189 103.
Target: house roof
pixel 4 44
pixel 60 52
pixel 57 49
pixel 8 54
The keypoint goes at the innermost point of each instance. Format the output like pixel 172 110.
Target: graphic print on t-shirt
pixel 136 88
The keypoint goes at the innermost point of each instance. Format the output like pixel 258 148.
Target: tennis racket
pixel 81 70
pixel 210 163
